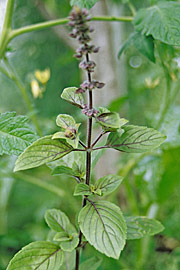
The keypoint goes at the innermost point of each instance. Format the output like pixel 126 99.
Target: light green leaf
pixel 135 139
pixel 70 129
pixel 39 255
pixel 161 21
pixel 83 3
pixel 91 264
pixel 143 44
pixel 71 244
pixel 73 141
pixel 58 221
pixel 108 183
pixel 82 189
pixel 68 241
pixel 65 121
pixel 42 151
pixel 103 110
pixel 15 133
pixel 61 237
pixel 104 227
pixel 69 94
pixel 138 227
pixel 110 120
pixel 69 260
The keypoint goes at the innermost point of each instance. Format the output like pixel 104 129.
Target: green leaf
pixel 42 151
pixel 73 141
pixel 39 255
pixel 110 120
pixel 61 236
pixel 65 121
pixel 83 3
pixel 63 170
pixel 117 103
pixel 69 260
pixel 68 241
pixel 69 94
pixel 70 129
pixel 91 264
pixel 138 227
pixel 135 139
pixel 108 183
pixel 82 189
pixel 104 227
pixel 145 45
pixel 75 161
pixel 72 165
pixel 161 21
pixel 71 244
pixel 15 133
pixel 58 221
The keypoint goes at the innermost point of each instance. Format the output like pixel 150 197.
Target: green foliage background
pixel 153 181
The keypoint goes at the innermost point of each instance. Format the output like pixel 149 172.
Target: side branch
pixel 52 23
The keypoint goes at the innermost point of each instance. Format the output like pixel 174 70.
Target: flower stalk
pixel 81 31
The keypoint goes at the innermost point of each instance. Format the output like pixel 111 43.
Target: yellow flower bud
pixel 43 76
pixel 36 91
pixel 152 84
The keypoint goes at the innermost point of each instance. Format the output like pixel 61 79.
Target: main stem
pixel 88 158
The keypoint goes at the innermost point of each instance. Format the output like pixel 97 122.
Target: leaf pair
pixel 66 233
pixel 104 226
pixel 102 186
pixel 130 139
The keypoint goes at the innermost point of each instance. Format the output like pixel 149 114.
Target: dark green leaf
pixel 42 151
pixel 83 3
pixel 143 44
pixel 161 21
pixel 82 189
pixel 138 227
pixel 63 170
pixel 75 162
pixel 117 103
pixel 15 133
pixel 108 183
pixel 91 264
pixel 104 227
pixel 69 94
pixel 135 139
pixel 39 255
pixel 169 181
